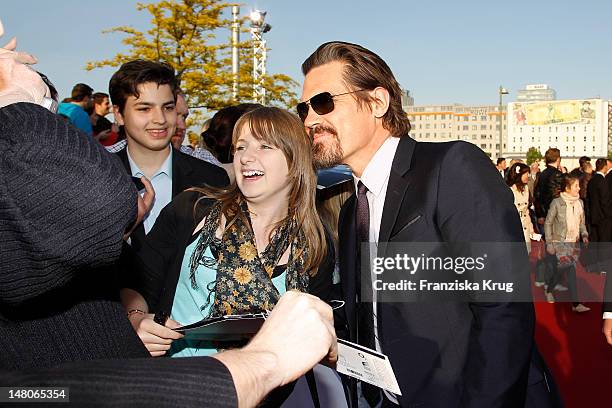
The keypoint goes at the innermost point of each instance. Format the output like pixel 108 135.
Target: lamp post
pixel 258 28
pixel 502 91
pixel 235 59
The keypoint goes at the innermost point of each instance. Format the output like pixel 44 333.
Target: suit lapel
pixel 137 237
pixel 138 234
pixel 122 154
pixel 396 189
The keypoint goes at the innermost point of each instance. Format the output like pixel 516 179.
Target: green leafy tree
pixel 533 155
pixel 184 33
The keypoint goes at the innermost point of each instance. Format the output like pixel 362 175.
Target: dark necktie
pixel 365 320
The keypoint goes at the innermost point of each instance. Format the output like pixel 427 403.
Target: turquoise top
pixel 187 303
pixel 76 115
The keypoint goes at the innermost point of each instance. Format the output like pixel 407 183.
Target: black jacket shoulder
pixel 204 173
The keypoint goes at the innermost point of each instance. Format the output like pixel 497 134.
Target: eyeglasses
pixel 322 103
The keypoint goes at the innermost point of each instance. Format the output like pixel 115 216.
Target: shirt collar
pixel 378 169
pixel 165 168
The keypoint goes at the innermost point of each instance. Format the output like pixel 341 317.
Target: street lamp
pixel 235 57
pixel 258 28
pixel 502 91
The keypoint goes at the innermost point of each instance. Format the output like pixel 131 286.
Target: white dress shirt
pixel 376 178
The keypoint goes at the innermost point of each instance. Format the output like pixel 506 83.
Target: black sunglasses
pixel 322 103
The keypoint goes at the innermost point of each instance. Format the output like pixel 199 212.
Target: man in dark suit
pixel 548 181
pixel 545 186
pixel 598 198
pixel 144 94
pixel 501 167
pixel 444 354
pixel 607 301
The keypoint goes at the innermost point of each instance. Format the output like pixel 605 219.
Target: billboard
pixel 579 111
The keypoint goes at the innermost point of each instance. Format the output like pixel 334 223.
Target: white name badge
pixel 366 365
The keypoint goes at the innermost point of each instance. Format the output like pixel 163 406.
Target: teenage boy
pixel 143 94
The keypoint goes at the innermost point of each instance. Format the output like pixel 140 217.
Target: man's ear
pixel 118 115
pixel 380 101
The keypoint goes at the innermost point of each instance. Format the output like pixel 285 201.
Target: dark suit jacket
pixel 447 354
pixel 608 187
pixel 598 198
pixel 544 192
pixel 187 172
pixel 607 305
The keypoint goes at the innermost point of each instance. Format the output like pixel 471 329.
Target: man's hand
pixel 156 338
pixel 18 82
pixel 300 331
pixel 298 334
pixel 541 220
pixel 145 203
pixel 607 330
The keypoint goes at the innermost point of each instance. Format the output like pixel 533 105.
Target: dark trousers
pixel 551 272
pixel 571 283
pixel 540 266
pixel 540 271
pixel 557 276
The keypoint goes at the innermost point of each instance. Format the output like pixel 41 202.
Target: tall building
pixel 577 127
pixel 536 93
pixel 407 99
pixel 475 124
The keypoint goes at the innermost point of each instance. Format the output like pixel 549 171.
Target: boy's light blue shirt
pixel 162 184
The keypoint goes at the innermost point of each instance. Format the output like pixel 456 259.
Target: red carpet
pixel 574 347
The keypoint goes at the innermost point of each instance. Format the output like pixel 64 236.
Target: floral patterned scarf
pixel 244 279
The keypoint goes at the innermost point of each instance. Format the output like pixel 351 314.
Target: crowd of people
pixel 561 213
pixel 114 235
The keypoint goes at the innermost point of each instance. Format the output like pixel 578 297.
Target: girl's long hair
pixel 285 131
pixel 515 173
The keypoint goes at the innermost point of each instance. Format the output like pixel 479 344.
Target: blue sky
pixel 443 51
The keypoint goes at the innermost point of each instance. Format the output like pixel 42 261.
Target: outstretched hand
pixel 19 82
pixel 300 331
pixel 297 335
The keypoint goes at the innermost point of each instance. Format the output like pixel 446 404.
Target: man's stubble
pixel 329 153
